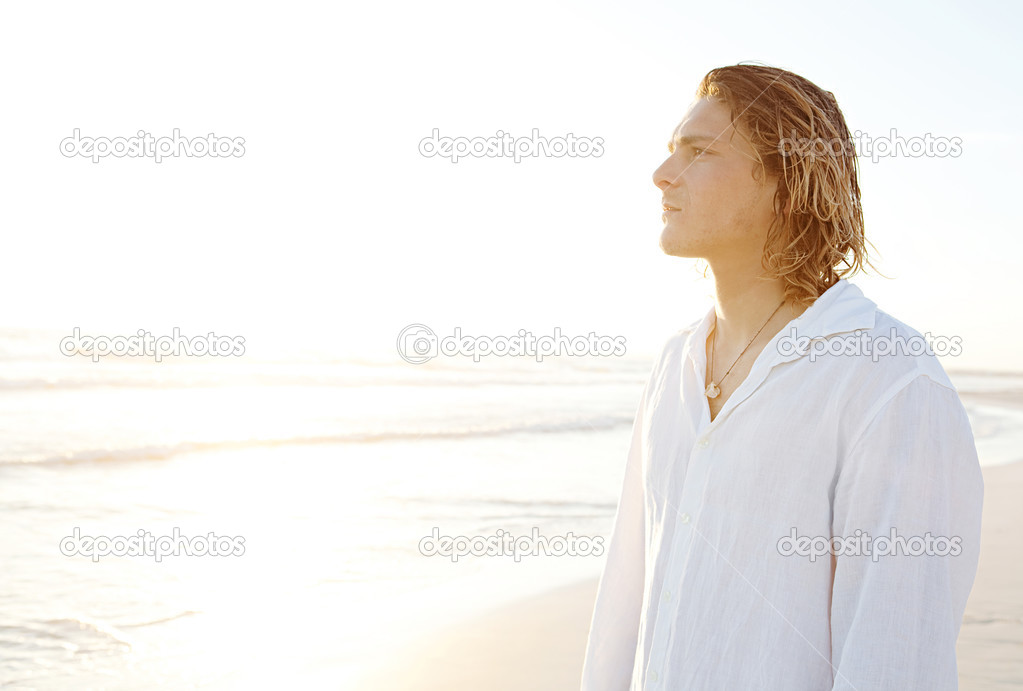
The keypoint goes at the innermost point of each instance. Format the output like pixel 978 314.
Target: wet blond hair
pixel 817 235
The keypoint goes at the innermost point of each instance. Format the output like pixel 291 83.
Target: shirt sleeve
pixel 614 628
pixel 911 474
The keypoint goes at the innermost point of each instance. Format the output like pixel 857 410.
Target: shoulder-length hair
pixel 800 136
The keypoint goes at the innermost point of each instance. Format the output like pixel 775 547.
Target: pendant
pixel 712 390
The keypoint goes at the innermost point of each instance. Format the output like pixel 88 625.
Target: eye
pixel 697 152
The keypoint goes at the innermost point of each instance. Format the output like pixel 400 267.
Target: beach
pixel 327 481
pixel 539 643
pixel 323 479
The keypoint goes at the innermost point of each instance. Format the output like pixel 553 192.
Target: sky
pixel 332 232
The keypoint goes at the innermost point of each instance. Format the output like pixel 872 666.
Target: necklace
pixel 712 390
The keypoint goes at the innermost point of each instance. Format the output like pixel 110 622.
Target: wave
pixel 77 632
pixel 130 382
pixel 163 620
pixel 163 452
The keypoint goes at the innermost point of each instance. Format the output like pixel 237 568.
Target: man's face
pixel 719 211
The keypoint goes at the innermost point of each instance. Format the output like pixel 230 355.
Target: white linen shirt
pixel 697 593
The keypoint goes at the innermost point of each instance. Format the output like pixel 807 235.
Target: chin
pixel 673 245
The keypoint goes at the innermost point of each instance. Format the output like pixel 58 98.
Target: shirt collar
pixel 839 309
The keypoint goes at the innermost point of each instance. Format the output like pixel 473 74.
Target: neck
pixel 743 305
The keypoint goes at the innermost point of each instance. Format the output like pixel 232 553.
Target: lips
pixel 669 207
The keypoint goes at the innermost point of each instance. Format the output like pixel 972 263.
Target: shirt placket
pixel 686 515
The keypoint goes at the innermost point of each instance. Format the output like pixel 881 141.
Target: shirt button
pixel 684 517
pixel 704 443
pixel 667 596
pixel 653 675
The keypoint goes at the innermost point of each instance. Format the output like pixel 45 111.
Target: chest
pixel 735 376
pixel 772 456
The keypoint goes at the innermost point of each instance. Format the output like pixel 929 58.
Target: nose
pixel 663 176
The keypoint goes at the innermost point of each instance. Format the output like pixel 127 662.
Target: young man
pixel 801 506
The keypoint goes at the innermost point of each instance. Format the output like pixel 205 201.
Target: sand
pixel 990 649
pixel 538 644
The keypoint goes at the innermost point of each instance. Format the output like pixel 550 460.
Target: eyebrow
pixel 690 140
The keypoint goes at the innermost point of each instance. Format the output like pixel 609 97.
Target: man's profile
pixel 773 427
